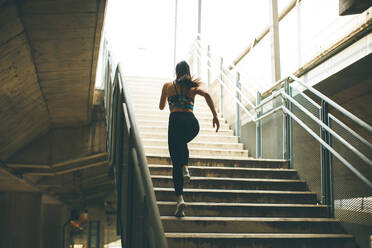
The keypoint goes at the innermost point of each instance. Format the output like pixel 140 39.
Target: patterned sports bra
pixel 180 101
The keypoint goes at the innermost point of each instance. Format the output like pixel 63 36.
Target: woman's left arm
pixel 163 98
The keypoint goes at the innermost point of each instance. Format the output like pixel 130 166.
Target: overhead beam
pixel 78 161
pixel 61 170
pixel 350 7
pixel 266 30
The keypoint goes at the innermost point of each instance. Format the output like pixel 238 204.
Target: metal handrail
pixel 334 104
pixel 356 135
pixel 142 162
pixel 334 152
pixel 281 93
pixel 334 134
pixel 221 72
pixel 242 73
pixel 137 164
pixel 245 109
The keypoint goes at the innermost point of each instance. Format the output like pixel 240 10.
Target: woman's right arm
pixel 210 103
pixel 163 97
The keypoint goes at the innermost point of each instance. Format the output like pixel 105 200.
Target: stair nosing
pixel 223 168
pixel 253 219
pixel 257 235
pixel 218 158
pixel 198 149
pixel 165 189
pixel 235 179
pixel 240 204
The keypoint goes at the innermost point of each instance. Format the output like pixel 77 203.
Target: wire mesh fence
pixel 306 150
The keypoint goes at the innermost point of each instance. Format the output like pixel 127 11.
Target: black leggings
pixel 182 128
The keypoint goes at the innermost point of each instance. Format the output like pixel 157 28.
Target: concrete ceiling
pixel 51 139
pixel 48 57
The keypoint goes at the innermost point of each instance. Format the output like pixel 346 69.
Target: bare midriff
pixel 181 110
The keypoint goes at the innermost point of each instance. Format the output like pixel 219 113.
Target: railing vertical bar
pixel 208 67
pixel 331 174
pixel 258 129
pixel 238 121
pixel 221 88
pixel 288 126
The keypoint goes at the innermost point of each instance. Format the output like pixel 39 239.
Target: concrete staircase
pixel 232 200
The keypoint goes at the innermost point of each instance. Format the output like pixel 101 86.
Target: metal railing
pixel 138 217
pixel 287 89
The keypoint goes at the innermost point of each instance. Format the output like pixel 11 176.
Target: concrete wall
pixel 61 144
pixel 20 217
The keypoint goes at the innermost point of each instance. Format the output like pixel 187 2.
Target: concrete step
pixel 199 151
pixel 222 162
pixel 155 116
pixel 195 144
pixel 203 131
pixel 233 183
pixel 204 171
pixel 200 137
pixel 238 196
pixel 132 79
pixel 164 155
pixel 197 113
pixel 250 225
pixel 164 123
pixel 155 97
pixel 151 105
pixel 154 102
pixel 210 209
pixel 259 240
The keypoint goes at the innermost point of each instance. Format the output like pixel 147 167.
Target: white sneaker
pixel 186 174
pixel 179 210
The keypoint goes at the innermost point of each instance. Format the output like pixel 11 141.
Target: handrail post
pixel 238 121
pixel 259 129
pixel 208 66
pixel 326 163
pixel 199 59
pixel 288 127
pixel 221 87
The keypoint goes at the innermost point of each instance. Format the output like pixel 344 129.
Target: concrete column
pixel 54 215
pixel 20 220
pixel 274 37
pixel 199 32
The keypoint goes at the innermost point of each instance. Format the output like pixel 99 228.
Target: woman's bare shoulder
pixel 167 84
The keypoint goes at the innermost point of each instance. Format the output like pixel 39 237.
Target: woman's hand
pixel 216 123
pixel 208 99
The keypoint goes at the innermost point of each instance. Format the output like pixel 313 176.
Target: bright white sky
pixel 141 32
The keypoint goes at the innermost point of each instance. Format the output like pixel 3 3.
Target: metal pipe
pixel 275 49
pixel 148 186
pixel 199 16
pixel 334 104
pixel 268 99
pixel 258 129
pixel 228 79
pixel 238 120
pixel 233 95
pixel 273 111
pixel 334 134
pixel 356 135
pixel 289 7
pixel 306 97
pixel 288 127
pixel 336 154
pixel 175 34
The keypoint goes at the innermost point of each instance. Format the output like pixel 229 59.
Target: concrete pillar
pixel 20 220
pixel 275 48
pixel 53 217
